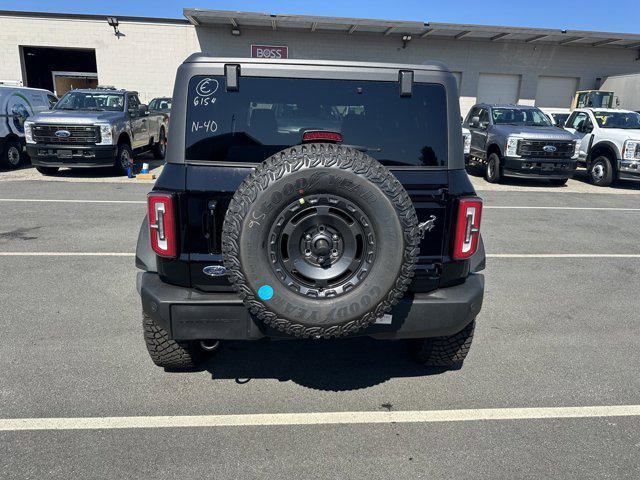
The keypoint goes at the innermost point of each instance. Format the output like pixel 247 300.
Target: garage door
pixel 555 91
pixel 498 88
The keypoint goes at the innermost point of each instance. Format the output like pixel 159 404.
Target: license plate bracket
pixel 64 153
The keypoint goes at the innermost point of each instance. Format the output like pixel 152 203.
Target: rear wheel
pixel 601 171
pixel 448 351
pixel 124 158
pixel 160 148
pixel 168 353
pixel 492 174
pixel 47 170
pixel 12 156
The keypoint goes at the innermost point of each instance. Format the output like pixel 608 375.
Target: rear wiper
pixel 363 148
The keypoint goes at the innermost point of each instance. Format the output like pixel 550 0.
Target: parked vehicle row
pixel 85 128
pixel 527 142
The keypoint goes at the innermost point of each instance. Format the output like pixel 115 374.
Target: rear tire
pixel 168 353
pixel 558 182
pixel 492 175
pixel 12 155
pixel 124 158
pixel 601 171
pixel 160 148
pixel 449 351
pixel 49 171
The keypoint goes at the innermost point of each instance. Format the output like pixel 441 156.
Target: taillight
pixel 467 228
pixel 162 226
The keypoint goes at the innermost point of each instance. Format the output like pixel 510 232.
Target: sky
pixel 620 16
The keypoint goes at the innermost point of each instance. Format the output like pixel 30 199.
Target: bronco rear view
pixel 311 199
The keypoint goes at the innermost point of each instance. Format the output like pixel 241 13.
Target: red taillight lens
pixel 321 136
pixel 162 226
pixel 467 228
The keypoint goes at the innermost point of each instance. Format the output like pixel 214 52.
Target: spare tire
pixel 320 240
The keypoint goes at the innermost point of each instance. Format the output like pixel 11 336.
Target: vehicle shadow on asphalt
pixel 335 365
pixel 89 173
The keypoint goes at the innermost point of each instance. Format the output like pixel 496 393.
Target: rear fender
pixel 477 262
pixel 145 256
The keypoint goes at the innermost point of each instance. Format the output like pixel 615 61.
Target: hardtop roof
pixel 427 65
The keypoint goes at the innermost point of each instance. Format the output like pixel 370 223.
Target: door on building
pixel 498 88
pixel 39 64
pixel 555 91
pixel 65 81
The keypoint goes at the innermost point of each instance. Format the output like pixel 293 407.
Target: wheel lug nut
pixel 334 237
pixel 320 259
pixel 307 237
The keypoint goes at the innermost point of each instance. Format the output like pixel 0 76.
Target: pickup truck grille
pixel 536 148
pixel 79 134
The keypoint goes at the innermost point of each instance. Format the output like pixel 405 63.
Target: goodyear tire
pixel 320 241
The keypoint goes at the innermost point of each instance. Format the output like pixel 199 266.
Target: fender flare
pixel 478 260
pixel 145 256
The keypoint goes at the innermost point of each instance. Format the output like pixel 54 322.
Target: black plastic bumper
pixel 74 156
pixel 525 167
pixel 188 314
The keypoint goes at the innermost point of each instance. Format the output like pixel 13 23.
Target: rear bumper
pixel 188 314
pixel 82 156
pixel 530 167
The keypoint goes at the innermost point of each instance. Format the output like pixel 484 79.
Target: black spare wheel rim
pixel 322 245
pixel 320 240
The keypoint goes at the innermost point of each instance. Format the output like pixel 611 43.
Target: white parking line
pixel 613 209
pixel 562 255
pixel 66 254
pixel 320 418
pixel 50 200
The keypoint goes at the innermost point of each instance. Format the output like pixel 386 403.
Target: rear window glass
pixel 269 114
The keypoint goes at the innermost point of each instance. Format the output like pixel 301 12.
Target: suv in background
pixel 519 141
pixel 311 199
pixel 160 104
pixel 94 128
pixel 609 143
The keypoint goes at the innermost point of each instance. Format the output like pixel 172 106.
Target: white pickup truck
pixel 609 143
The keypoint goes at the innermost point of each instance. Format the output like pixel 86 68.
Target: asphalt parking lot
pixel 559 328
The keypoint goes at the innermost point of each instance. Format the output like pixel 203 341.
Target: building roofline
pixel 83 16
pixel 417 29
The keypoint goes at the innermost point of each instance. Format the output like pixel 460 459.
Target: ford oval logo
pixel 549 148
pixel 214 270
pixel 62 133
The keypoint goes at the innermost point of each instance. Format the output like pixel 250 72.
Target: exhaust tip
pixel 209 345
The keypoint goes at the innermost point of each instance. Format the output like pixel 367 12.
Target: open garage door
pixel 556 91
pixel 59 69
pixel 498 88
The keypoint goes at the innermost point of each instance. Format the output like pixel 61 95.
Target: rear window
pixel 269 114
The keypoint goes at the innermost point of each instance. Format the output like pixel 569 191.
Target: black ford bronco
pixel 311 199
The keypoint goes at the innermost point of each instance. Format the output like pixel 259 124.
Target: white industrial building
pixel 494 64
